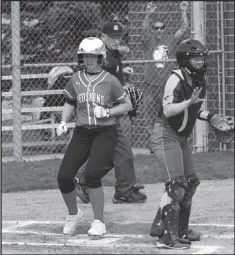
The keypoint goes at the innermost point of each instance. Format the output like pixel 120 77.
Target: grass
pixel 24 176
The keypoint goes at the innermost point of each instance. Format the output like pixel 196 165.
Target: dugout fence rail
pixel 25 70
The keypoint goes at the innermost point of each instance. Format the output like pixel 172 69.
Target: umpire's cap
pixel 112 29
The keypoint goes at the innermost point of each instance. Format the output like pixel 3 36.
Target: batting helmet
pixel 92 45
pixel 188 49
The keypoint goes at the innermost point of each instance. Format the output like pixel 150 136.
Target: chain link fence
pixel 49 33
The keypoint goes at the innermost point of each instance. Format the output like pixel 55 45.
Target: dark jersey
pixel 177 90
pixel 104 90
pixel 113 64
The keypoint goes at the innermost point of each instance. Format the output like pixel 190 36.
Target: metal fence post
pixel 223 62
pixel 16 80
pixel 199 34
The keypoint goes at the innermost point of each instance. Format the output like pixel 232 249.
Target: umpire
pixel 126 187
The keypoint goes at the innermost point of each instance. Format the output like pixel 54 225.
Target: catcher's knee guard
pixel 166 220
pixel 176 188
pixel 185 206
pixel 92 181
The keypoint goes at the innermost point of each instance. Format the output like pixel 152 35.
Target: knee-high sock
pixel 97 202
pixel 70 201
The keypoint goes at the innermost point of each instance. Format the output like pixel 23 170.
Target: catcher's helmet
pixel 188 49
pixel 91 45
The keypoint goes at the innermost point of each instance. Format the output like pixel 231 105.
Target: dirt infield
pixel 33 222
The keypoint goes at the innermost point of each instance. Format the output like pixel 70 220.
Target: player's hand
pixel 62 128
pixel 151 7
pixel 114 17
pixel 184 6
pixel 100 112
pixel 195 96
pixel 128 70
pixel 123 49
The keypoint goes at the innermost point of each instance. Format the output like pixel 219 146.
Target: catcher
pixel 181 100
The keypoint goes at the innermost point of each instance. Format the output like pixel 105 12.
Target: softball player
pixel 126 188
pixel 92 92
pixel 181 100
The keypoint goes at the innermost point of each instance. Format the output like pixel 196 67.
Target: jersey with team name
pixel 103 90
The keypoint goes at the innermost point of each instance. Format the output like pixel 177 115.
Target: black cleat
pixel 135 197
pixel 81 191
pixel 190 235
pixel 173 245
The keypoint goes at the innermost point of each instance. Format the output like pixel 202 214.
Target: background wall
pixel 50 32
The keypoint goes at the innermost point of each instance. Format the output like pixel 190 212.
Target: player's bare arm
pixel 184 25
pixel 67 112
pixel 150 9
pixel 176 108
pixel 123 107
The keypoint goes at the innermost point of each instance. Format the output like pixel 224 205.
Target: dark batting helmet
pixel 189 49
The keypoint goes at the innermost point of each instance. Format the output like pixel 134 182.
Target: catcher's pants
pixel 123 164
pixel 98 145
pixel 173 152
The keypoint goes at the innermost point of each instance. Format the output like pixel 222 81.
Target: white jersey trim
pixel 171 84
pixel 121 97
pixel 185 120
pixel 68 94
pixel 80 79
pixel 97 77
pixel 93 90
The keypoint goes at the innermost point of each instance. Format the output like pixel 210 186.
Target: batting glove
pixel 62 128
pixel 100 112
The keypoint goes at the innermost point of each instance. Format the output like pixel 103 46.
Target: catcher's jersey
pixel 177 90
pixel 104 89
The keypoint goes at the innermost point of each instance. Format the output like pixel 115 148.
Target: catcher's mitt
pixel 136 96
pixel 223 127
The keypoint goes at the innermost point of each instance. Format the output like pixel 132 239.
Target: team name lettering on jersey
pixel 90 97
pixel 103 89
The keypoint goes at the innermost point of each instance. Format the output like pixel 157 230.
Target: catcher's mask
pixel 93 46
pixel 193 56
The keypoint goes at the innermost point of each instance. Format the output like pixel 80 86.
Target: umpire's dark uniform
pixel 125 189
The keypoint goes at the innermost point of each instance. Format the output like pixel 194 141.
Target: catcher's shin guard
pixel 185 210
pixel 170 222
pixel 174 193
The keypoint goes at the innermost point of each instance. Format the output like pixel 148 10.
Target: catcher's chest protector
pixel 184 122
